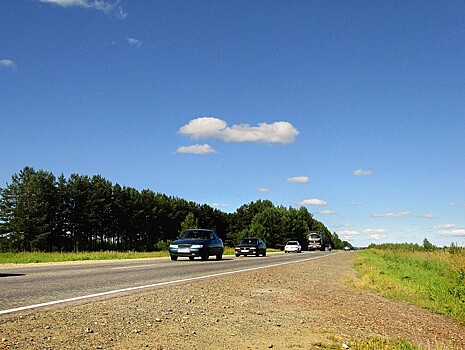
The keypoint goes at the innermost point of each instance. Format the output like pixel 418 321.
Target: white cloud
pixel 361 172
pixel 218 205
pixel 391 215
pixel 328 212
pixel 314 201
pixel 428 216
pixel 376 236
pixel 196 149
pixel 371 231
pixel 337 227
pixel 348 234
pixel 356 203
pixel 6 63
pixel 134 42
pixel 453 233
pixel 444 226
pixel 263 190
pixel 99 5
pixel 299 179
pixel 211 127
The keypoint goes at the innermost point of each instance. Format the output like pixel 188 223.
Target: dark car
pixel 251 246
pixel 198 242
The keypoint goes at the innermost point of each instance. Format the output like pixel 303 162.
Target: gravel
pixel 308 305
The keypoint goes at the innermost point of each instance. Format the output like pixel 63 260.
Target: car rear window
pixel 197 235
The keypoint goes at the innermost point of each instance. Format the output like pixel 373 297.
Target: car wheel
pixel 191 258
pixel 173 257
pixel 264 253
pixel 205 256
pixel 238 255
pixel 219 256
pixel 257 253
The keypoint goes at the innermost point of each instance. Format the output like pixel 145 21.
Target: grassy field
pixel 39 257
pixel 430 279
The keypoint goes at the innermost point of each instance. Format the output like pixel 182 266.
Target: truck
pixel 317 241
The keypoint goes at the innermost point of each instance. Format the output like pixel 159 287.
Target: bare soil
pixel 309 305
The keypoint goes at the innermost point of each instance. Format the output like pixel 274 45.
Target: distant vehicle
pixel 316 240
pixel 292 246
pixel 328 247
pixel 251 246
pixel 346 248
pixel 197 243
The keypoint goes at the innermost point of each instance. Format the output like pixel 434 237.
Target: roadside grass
pixel 430 279
pixel 380 344
pixel 41 257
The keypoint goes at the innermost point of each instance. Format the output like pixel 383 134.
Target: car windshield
pixel 249 241
pixel 196 235
pixel 292 243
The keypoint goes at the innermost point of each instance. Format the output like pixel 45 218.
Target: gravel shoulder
pixel 309 305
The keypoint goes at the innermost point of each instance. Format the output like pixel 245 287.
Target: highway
pixel 36 285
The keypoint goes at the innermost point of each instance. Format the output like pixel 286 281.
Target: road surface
pixel 34 285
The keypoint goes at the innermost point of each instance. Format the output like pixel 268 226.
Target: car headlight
pixel 173 245
pixel 197 246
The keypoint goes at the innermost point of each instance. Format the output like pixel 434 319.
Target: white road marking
pixel 89 296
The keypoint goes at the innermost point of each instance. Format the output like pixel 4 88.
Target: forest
pixel 42 212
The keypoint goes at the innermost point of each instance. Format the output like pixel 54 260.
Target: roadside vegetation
pixel 46 257
pixel 374 343
pixel 381 344
pixel 426 276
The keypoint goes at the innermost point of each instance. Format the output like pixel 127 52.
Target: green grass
pixel 433 280
pixel 371 344
pixel 40 257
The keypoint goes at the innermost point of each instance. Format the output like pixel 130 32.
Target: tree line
pixel 41 212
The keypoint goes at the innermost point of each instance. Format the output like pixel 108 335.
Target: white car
pixel 292 246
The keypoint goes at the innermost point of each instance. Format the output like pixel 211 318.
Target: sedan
pixel 251 246
pixel 197 243
pixel 292 246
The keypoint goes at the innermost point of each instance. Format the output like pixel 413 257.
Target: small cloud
pixel 210 127
pixel 427 216
pixel 104 6
pixel 361 172
pixel 218 205
pixel 444 226
pixel 371 231
pixel 328 212
pixel 262 190
pixel 196 149
pixel 453 233
pixel 134 42
pixel 391 215
pixel 348 234
pixel 376 236
pixel 7 64
pixel 314 201
pixel 299 179
pixel 342 226
pixel 356 203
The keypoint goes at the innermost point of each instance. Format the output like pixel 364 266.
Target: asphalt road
pixel 31 286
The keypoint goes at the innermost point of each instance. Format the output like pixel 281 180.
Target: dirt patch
pixel 308 305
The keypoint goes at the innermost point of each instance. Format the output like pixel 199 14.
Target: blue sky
pixel 354 109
